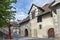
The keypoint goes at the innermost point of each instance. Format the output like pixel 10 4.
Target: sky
pixel 23 7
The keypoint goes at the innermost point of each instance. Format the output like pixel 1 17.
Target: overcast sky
pixel 23 7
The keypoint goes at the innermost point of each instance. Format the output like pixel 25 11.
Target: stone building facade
pixel 56 9
pixel 25 27
pixel 41 22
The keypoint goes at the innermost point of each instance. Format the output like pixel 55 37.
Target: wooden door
pixel 51 32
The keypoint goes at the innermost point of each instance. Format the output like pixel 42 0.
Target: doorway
pixel 51 33
pixel 26 32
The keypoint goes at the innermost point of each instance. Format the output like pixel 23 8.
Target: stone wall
pixel 47 23
pixel 23 27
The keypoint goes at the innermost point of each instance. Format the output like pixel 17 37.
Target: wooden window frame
pixel 39 19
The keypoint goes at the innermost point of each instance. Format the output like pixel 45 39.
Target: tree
pixel 6 14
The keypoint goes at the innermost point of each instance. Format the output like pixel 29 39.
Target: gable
pixel 34 7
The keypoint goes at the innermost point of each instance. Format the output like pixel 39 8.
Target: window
pixel 33 14
pixel 40 26
pixel 39 19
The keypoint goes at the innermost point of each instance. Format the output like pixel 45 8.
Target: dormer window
pixel 33 14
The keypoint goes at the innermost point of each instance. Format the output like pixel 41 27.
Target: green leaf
pixel 5 15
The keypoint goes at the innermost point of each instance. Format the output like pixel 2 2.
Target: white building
pixel 42 22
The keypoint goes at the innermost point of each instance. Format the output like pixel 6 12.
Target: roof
pixel 46 7
pixel 35 6
pixel 14 24
pixel 55 6
pixel 44 12
pixel 56 1
pixel 25 20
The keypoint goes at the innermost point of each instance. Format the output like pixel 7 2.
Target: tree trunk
pixel 9 32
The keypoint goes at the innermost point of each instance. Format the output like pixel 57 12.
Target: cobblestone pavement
pixel 30 38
